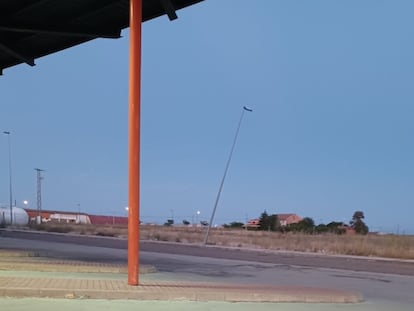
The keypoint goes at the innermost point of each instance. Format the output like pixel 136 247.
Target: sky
pixel 331 132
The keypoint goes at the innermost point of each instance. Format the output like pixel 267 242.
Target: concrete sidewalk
pixel 25 274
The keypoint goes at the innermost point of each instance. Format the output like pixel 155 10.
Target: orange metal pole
pixel 135 17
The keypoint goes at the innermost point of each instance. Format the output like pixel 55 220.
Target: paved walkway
pixel 24 274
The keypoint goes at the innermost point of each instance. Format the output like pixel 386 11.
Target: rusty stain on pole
pixel 135 17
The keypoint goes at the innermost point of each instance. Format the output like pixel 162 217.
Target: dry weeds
pixel 389 246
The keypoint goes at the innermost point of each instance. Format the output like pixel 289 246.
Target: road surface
pixel 384 284
pixel 352 263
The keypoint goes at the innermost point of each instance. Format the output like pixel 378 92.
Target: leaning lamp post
pixel 225 172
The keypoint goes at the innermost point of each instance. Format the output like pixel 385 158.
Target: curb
pixel 116 289
pixel 15 260
pixel 84 286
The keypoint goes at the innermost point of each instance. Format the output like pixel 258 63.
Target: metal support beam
pixel 32 5
pixel 61 32
pixel 135 21
pixel 169 9
pixel 17 55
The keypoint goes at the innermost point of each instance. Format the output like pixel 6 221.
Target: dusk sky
pixel 332 131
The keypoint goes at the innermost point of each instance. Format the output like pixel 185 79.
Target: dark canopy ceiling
pixel 33 28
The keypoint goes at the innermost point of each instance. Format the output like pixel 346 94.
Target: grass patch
pixel 390 246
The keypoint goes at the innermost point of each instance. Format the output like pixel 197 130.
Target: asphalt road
pixel 377 265
pixel 386 285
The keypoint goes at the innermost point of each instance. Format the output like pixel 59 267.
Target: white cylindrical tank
pixel 20 217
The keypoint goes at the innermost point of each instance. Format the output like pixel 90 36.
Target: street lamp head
pixel 247 109
pixel 6 132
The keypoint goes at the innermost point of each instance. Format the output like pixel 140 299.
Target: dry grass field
pixel 390 246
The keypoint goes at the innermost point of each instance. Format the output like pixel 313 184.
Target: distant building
pixel 348 230
pixel 252 224
pixel 75 218
pixel 283 219
pixel 108 220
pixel 288 219
pixel 58 216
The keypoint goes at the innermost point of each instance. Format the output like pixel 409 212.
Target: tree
pixel 358 215
pixel 169 222
pixel 321 228
pixel 358 224
pixel 234 224
pixel 268 222
pixel 336 227
pixel 308 222
pixel 306 225
pixel 264 221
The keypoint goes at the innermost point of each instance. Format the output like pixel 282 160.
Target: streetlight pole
pixel 197 217
pixel 79 216
pixel 10 178
pixel 225 172
pixel 172 215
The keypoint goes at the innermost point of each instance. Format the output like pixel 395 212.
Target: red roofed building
pixel 108 220
pixel 57 216
pixel 253 224
pixel 288 219
pixel 75 218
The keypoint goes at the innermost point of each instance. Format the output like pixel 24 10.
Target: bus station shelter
pixel 30 29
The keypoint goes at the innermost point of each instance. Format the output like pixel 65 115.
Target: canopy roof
pixel 33 28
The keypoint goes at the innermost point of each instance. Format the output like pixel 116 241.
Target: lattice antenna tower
pixel 39 190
